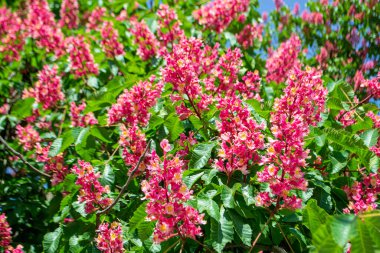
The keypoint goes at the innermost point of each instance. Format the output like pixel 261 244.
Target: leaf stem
pixel 23 158
pixel 123 189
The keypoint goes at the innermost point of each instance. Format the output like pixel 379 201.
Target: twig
pixel 126 183
pixel 22 158
pixel 258 236
pixel 172 246
pixel 354 107
pixel 286 239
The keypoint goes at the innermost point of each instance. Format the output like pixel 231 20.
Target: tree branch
pixel 23 158
pixel 124 188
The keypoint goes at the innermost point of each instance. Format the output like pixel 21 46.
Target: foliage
pixel 186 126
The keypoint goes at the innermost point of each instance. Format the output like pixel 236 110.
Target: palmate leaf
pixel 222 231
pixel 242 228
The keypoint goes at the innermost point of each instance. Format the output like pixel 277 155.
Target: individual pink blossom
pixel 95 18
pixel 77 119
pixel 81 59
pixel 27 136
pixel 69 14
pixel 300 106
pixel 145 40
pixel 218 14
pixel 110 238
pixel 250 33
pixel 167 196
pixel 5 232
pixel 362 195
pixel 11 35
pixel 111 46
pixel 91 192
pixel 283 60
pixel 169 29
pixel 240 137
pixel 133 105
pixel 347 118
pixel 47 90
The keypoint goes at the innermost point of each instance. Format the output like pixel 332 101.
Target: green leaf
pixel 200 155
pixel 51 240
pixel 370 137
pixel 67 139
pixel 174 125
pixel 342 227
pixel 227 196
pixel 108 176
pixel 338 161
pixel 314 216
pixel 23 108
pixel 242 228
pixel 191 176
pixel 364 241
pixel 210 206
pixel 247 192
pixel 138 222
pixel 101 133
pixel 222 231
pixel 55 147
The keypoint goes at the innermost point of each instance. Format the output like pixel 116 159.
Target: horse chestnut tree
pixel 189 126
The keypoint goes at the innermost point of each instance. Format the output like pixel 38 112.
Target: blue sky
pixel 268 5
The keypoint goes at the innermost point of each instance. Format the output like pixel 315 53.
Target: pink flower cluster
pixel 218 14
pixel 133 142
pixel 283 60
pixel 27 136
pixel 81 59
pixel 133 105
pixel 250 33
pixel 347 118
pixel 81 120
pixel 43 28
pixel 111 46
pixel 167 196
pixel 47 90
pixel 69 14
pixel 110 238
pixel 362 195
pixel 30 139
pixel 169 29
pixel 312 17
pixel 373 86
pixel 11 35
pixel 6 238
pixel 299 107
pixel 95 18
pixel 5 232
pixel 240 137
pixel 147 43
pixel 91 192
